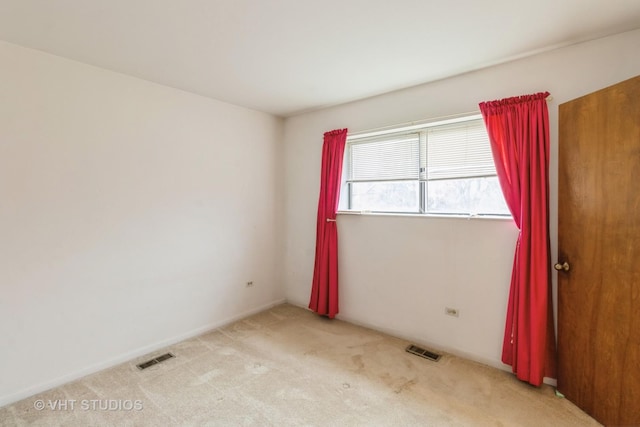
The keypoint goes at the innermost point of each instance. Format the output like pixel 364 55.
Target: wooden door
pixel 599 238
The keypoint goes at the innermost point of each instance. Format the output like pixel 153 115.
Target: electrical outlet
pixel 451 312
pixel 249 284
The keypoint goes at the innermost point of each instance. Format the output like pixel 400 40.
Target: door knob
pixel 564 266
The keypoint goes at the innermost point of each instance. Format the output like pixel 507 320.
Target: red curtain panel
pixel 518 129
pixel 324 289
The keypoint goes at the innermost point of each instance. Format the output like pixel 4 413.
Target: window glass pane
pixel 466 196
pixel 394 196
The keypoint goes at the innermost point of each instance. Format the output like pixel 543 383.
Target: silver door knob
pixel 564 266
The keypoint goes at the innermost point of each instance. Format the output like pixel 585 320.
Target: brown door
pixel 599 239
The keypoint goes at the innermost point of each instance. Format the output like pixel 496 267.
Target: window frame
pixel 421 129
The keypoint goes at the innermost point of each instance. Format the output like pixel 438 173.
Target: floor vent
pixel 414 349
pixel 148 363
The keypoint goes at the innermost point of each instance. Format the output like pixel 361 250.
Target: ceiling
pixel 289 56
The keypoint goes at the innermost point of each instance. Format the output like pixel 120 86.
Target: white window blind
pixel 393 158
pixel 458 151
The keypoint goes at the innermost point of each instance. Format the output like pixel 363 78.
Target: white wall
pixel 131 216
pixel 398 273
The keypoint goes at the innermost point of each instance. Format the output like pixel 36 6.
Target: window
pixel 438 168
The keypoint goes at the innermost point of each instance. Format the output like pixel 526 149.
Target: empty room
pixel 319 213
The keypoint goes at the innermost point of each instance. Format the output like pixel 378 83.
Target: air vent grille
pixel 418 351
pixel 149 363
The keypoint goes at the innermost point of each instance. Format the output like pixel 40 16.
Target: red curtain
pixel 324 289
pixel 518 129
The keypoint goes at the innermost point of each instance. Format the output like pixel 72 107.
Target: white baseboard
pixel 56 382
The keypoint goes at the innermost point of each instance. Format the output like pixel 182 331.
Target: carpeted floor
pixel 289 367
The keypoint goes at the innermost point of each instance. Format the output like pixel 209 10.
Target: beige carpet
pixel 289 367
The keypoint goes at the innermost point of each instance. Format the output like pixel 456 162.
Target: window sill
pixel 430 215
